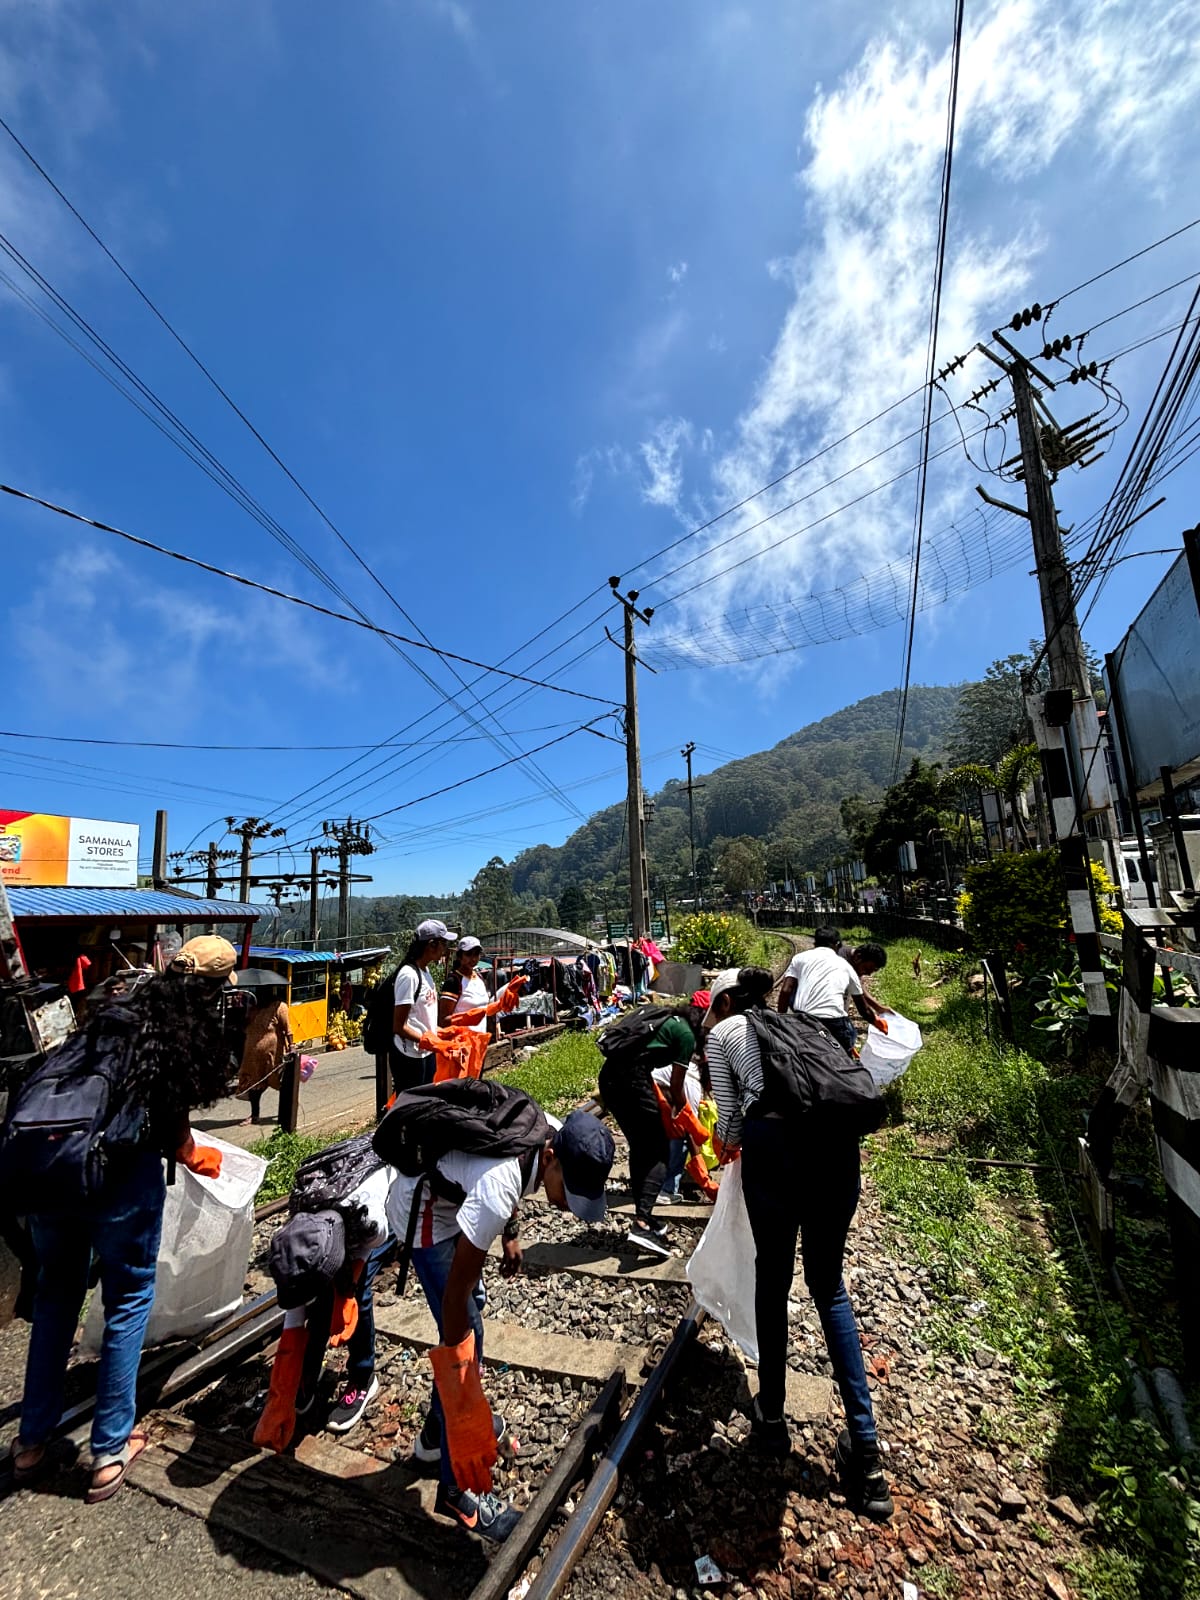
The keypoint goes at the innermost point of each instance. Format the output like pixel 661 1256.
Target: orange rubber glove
pixel 201 1159
pixel 879 1022
pixel 697 1170
pixel 344 1319
pixel 726 1153
pixel 470 1437
pixel 278 1421
pixel 682 1124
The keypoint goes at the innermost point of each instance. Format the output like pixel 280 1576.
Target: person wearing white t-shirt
pixel 416 1005
pixel 818 982
pixel 450 1244
pixel 464 988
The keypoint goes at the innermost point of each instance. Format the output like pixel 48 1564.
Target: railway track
pixel 580 1350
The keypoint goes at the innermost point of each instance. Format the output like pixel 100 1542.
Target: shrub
pixel 714 939
pixel 1016 906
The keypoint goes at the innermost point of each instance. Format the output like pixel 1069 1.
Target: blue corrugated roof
pixel 298 958
pixel 96 904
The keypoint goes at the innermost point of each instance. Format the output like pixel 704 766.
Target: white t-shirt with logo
pixel 416 989
pixel 491 1188
pixel 474 994
pixel 823 980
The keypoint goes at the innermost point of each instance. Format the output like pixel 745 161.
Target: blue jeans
pixel 360 1347
pixel 798 1184
pixel 124 1231
pixel 677 1151
pixel 432 1267
pixel 842 1029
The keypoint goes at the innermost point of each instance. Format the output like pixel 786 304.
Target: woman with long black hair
pixel 800 1182
pixel 179 1059
pixel 415 1012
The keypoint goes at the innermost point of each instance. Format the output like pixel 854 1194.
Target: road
pixel 340 1094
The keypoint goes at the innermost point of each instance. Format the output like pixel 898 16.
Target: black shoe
pixel 483 1514
pixel 305 1401
pixel 650 1236
pixel 351 1406
pixel 861 1471
pixel 428 1447
pixel 770 1435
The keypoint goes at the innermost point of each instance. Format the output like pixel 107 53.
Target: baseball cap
pixel 721 984
pixel 469 943
pixel 207 957
pixel 305 1254
pixel 431 928
pixel 585 1148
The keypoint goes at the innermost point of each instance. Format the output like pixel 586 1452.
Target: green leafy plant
pixel 714 939
pixel 1016 906
pixel 560 1074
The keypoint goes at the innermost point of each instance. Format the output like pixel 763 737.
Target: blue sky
pixel 522 295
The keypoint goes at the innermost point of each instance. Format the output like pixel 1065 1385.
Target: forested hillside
pixel 786 797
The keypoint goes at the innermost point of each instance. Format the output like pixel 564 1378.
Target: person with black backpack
pixel 467 1151
pixel 81 1155
pixel 634 1048
pixel 415 1005
pixel 795 1105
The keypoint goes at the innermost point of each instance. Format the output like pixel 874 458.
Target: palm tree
pixel 1010 777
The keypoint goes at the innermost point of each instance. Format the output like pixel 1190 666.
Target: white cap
pixel 721 984
pixel 468 944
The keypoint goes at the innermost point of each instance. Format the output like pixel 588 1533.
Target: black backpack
pixel 806 1073
pixel 625 1041
pixel 469 1116
pixel 377 1024
pixel 325 1181
pixel 72 1119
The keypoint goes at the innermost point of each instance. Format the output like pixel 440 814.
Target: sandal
pixel 118 1463
pixel 32 1469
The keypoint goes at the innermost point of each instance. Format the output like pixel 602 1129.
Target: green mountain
pixel 787 797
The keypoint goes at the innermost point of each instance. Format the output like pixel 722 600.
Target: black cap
pixel 305 1254
pixel 586 1150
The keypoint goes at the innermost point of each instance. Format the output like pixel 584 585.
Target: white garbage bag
pixel 721 1271
pixel 208 1231
pixel 887 1055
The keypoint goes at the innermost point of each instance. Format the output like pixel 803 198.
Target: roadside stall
pixel 317 983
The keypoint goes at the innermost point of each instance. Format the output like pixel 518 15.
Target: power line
pixel 246 749
pixel 292 599
pixel 935 313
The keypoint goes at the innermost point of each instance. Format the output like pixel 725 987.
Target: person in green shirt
pixel 627 1089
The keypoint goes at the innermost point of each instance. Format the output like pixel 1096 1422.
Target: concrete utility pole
pixel 158 866
pixel 1065 721
pixel 639 901
pixel 249 830
pixel 687 752
pixel 314 856
pixel 348 838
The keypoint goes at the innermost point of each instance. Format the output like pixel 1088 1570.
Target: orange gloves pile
pixel 469 1435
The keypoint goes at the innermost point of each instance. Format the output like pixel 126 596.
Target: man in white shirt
pixel 450 1244
pixel 818 981
pixel 416 1005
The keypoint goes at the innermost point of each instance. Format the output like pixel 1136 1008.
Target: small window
pixel 1131 867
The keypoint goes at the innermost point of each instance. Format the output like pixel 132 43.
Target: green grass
pixel 559 1074
pixel 1009 1269
pixel 284 1152
pixel 769 950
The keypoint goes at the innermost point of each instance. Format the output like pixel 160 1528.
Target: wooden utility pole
pixel 639 902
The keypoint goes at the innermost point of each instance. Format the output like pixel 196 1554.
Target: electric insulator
pixel 1016 323
pixel 1047 352
pixel 1037 312
pixel 1092 369
pixel 1026 317
pixel 1067 342
pixel 1074 374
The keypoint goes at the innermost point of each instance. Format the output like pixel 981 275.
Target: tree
pixel 911 809
pixel 859 817
pixel 742 866
pixel 574 908
pixel 1010 777
pixel 491 896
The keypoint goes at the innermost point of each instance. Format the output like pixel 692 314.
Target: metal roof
pixel 559 935
pixel 126 905
pixel 300 958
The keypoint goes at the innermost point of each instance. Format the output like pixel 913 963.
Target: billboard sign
pixel 1158 679
pixel 74 852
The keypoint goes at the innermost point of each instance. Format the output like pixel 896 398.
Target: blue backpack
pixel 72 1118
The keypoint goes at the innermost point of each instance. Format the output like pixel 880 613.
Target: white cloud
pixel 1108 81
pixel 678 272
pixel 662 457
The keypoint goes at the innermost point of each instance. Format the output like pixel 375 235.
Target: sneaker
pixel 351 1406
pixel 862 1477
pixel 651 1236
pixel 428 1447
pixel 670 1197
pixel 483 1514
pixel 770 1434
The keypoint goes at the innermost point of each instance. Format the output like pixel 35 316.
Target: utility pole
pixel 687 753
pixel 639 899
pixel 249 830
pixel 1065 720
pixel 314 856
pixel 347 839
pixel 158 865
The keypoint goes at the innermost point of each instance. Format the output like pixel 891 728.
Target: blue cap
pixel 586 1150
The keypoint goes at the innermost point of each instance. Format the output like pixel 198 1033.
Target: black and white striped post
pixel 1173 1052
